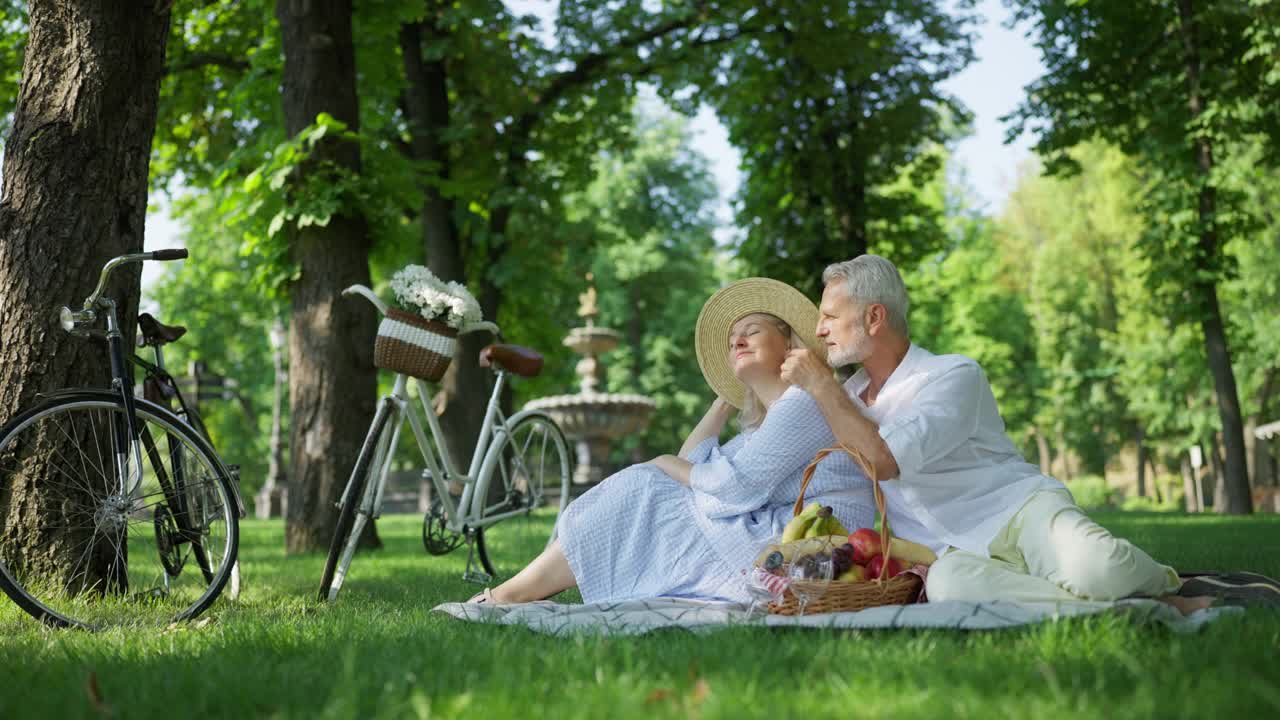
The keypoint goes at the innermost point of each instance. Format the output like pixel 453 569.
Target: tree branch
pixel 195 61
pixel 586 68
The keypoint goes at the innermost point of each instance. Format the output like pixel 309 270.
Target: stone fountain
pixel 591 420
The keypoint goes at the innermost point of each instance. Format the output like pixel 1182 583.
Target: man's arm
pixel 847 423
pixel 856 430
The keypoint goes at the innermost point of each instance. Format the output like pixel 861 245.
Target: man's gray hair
pixel 873 279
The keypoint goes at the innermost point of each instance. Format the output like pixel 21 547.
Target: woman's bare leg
pixel 548 574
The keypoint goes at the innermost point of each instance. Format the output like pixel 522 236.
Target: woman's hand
pixel 678 468
pixel 721 408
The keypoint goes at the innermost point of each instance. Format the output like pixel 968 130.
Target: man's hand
pixel 809 371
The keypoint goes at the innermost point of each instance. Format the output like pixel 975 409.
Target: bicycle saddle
pixel 522 361
pixel 156 333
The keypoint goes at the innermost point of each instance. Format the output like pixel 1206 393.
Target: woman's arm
pixel 677 467
pixel 709 426
pixel 793 432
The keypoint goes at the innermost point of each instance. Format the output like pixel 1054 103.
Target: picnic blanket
pixel 641 616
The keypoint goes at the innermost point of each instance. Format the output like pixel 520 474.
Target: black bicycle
pixel 114 510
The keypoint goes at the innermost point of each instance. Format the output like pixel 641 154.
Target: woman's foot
pixel 484 597
pixel 1187 605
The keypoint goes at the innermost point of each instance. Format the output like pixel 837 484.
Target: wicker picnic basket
pixel 844 596
pixel 413 345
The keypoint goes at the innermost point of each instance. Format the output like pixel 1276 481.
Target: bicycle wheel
pixel 530 474
pixel 356 506
pixel 93 540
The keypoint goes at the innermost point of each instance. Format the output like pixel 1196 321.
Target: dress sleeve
pixel 741 478
pixel 943 416
pixel 702 451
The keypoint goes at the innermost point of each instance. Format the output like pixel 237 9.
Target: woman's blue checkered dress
pixel 641 534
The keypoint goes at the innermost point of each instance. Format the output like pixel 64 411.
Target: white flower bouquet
pixel 419 291
pixel 420 337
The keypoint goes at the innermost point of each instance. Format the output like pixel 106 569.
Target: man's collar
pixel 859 381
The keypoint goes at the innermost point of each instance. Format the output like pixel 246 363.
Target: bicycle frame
pixel 166 385
pixel 470 510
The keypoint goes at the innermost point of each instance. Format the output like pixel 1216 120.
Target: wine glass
pixel 810 573
pixel 766 579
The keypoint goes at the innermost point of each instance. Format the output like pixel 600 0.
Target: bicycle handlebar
pixel 113 263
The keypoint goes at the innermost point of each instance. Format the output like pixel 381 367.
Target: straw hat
pixel 734 302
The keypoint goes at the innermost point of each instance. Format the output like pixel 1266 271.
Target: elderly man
pixel 952 478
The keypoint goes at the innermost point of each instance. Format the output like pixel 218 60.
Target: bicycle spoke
pixel 97 444
pixel 93 557
pixel 85 486
pixel 533 451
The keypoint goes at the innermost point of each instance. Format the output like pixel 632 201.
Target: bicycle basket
pixel 413 345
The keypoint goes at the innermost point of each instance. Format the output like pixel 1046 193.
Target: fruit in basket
pixel 821 524
pixel 773 561
pixel 797 526
pixel 837 528
pixel 866 545
pixel 795 548
pixel 911 553
pixel 894 567
pixel 842 558
pixel 857 573
pixel 814 566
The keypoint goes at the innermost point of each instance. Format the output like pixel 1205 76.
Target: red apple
pixel 866 545
pixel 873 568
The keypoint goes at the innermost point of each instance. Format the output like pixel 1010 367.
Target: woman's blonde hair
pixel 753 409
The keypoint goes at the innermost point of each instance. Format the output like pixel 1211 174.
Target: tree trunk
pixel 332 378
pixel 1140 438
pixel 465 387
pixel 1042 447
pixel 1262 470
pixel 1064 452
pixel 75 195
pixel 1157 492
pixel 1238 500
pixel 849 198
pixel 1190 497
pixel 1218 473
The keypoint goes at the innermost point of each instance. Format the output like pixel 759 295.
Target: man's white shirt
pixel 960 478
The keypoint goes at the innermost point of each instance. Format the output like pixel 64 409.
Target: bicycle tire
pixel 506 547
pixel 346 535
pixel 77 523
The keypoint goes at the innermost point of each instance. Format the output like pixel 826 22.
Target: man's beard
pixel 857 351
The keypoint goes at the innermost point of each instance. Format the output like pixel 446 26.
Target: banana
pixel 837 528
pixel 797 526
pixel 796 529
pixel 910 553
pixel 821 525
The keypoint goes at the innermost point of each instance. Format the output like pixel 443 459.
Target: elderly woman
pixel 689 525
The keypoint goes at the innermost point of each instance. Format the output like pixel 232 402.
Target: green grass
pixel 380 652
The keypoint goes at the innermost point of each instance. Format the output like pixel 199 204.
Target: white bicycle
pixel 511 495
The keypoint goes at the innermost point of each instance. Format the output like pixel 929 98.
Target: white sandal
pixel 484 597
